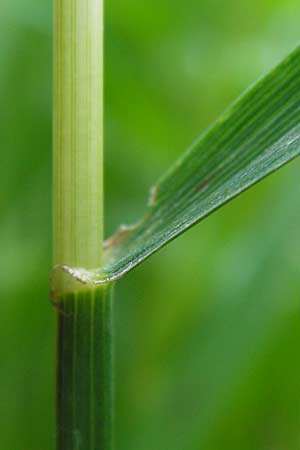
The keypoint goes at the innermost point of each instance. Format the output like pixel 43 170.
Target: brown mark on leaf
pixel 201 185
pixel 122 231
pixel 153 196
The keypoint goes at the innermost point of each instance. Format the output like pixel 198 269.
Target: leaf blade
pixel 255 136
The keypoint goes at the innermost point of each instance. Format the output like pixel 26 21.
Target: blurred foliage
pixel 207 350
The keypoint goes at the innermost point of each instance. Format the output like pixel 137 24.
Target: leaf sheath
pixel 84 370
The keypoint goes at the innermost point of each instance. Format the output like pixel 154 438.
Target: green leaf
pixel 258 134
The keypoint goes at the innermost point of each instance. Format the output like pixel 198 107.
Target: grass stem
pixel 78 133
pixel 84 315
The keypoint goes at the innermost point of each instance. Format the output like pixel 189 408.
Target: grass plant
pixel 258 134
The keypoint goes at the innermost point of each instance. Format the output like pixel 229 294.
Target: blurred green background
pixel 208 330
